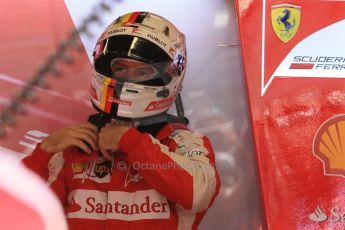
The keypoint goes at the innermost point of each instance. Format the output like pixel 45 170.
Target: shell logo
pixel 329 145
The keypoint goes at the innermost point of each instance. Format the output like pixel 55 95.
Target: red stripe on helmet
pixel 134 16
pixel 110 93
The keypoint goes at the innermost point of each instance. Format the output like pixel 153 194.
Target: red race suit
pixel 165 181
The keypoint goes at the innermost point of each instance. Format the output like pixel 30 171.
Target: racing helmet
pixel 139 64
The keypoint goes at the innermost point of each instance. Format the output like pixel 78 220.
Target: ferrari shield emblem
pixel 285 20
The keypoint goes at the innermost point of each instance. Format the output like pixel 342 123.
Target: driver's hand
pixel 80 136
pixel 109 138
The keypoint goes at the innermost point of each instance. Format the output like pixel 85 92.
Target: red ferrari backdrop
pixel 28 39
pixel 37 42
pixel 295 68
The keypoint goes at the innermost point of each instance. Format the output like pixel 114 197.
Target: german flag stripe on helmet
pixel 104 92
pixel 137 17
pixel 134 16
pixel 125 19
pixel 141 17
pixel 110 93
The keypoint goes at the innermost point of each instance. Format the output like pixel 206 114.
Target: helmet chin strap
pixel 179 106
pixel 101 119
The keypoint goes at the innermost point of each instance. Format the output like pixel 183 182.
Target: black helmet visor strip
pixel 131 47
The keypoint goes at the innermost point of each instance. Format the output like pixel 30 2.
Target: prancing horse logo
pixel 285 20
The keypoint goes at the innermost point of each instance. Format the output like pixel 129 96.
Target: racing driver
pixel 133 165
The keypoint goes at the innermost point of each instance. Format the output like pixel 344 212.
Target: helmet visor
pixel 133 59
pixel 130 70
